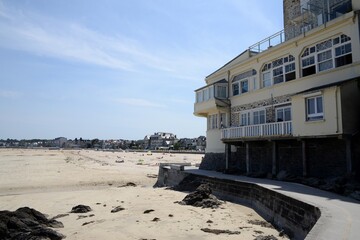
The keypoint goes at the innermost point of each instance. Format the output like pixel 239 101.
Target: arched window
pixel 278 71
pixel 328 54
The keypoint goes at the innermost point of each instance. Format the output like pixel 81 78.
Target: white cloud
pixel 138 102
pixel 9 94
pixel 42 35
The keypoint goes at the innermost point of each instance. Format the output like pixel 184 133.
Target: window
pixel 235 89
pixel 283 114
pixel 199 97
pixel 244 86
pixel 241 82
pixel 278 71
pixel 206 94
pixel 213 121
pixel 252 117
pixel 221 91
pixel 314 108
pixel 211 92
pixel 335 52
pixel 245 119
pixel 223 120
pixel 259 117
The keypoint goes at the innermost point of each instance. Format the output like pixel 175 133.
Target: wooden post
pixel 274 158
pixel 304 158
pixel 248 168
pixel 348 156
pixel 227 155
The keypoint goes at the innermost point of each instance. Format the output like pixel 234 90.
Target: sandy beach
pixel 54 181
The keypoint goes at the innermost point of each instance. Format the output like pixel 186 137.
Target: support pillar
pixel 274 158
pixel 248 168
pixel 227 155
pixel 349 166
pixel 304 158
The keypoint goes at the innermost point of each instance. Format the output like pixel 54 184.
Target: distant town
pixel 156 141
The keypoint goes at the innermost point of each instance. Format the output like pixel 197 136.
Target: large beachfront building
pixel 292 101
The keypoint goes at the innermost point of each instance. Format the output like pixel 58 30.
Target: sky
pixel 118 69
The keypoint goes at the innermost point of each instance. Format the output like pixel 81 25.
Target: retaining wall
pixel 296 218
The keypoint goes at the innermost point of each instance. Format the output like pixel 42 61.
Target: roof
pixel 220 81
pixel 327 85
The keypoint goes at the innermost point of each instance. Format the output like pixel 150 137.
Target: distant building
pixel 160 140
pixel 197 144
pixel 60 142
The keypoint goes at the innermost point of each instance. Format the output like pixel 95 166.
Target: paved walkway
pixel 340 216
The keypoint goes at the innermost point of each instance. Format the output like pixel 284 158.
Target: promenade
pixel 340 216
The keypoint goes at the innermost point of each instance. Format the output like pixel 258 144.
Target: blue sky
pixel 115 69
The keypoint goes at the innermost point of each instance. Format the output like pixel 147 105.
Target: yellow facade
pixel 332 122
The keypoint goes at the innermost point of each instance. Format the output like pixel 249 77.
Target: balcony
pixel 277 129
pixel 211 97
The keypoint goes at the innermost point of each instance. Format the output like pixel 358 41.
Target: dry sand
pixel 54 181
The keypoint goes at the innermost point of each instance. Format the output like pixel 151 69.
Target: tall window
pixel 331 53
pixel 278 71
pixel 259 117
pixel 213 121
pixel 221 91
pixel 223 120
pixel 314 108
pixel 252 117
pixel 245 119
pixel 283 114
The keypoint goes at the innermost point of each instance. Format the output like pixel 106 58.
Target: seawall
pixel 295 217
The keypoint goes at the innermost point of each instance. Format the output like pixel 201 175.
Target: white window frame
pixel 325 53
pixel 283 109
pixel 235 84
pixel 278 69
pixel 317 115
pixel 223 120
pixel 221 91
pixel 247 117
pixel 213 121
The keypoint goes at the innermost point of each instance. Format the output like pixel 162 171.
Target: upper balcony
pixel 304 18
pixel 211 97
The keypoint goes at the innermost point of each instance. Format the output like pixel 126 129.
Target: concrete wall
pixel 295 217
pixel 350 107
pixel 213 141
pixel 330 124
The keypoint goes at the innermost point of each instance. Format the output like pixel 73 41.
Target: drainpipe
pixel 337 110
pixel 229 86
pixel 228 146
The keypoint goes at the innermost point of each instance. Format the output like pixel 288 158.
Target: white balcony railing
pixel 260 130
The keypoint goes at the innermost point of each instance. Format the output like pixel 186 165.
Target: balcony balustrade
pixel 258 131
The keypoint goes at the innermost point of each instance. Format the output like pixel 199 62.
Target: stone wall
pixel 290 157
pixel 295 217
pixel 213 161
pixel 326 157
pixel 268 104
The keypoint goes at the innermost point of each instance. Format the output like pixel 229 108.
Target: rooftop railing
pixel 310 16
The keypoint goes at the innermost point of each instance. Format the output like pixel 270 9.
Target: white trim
pixel 312 94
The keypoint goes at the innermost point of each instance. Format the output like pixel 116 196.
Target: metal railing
pixel 313 14
pixel 268 42
pixel 260 130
